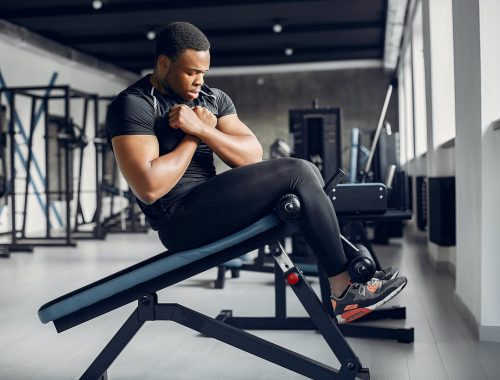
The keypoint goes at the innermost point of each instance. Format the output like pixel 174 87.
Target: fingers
pixel 199 110
pixel 179 116
pixel 175 116
pixel 205 115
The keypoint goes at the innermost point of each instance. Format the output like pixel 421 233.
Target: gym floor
pixel 444 347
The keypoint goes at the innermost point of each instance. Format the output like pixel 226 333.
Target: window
pixel 420 116
pixel 443 76
pixel 402 118
pixel 408 104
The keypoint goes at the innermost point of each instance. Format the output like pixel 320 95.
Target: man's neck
pixel 153 79
pixel 158 85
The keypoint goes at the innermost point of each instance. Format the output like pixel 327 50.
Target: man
pixel 164 130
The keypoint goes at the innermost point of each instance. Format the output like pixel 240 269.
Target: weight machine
pixel 62 139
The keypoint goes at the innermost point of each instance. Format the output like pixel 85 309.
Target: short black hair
pixel 179 36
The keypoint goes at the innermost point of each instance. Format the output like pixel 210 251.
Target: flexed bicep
pixel 134 155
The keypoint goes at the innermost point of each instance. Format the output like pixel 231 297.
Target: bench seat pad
pixel 145 271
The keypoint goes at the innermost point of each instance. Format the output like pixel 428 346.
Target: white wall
pixel 440 104
pixel 24 64
pixel 489 15
pixel 462 80
pixel 477 82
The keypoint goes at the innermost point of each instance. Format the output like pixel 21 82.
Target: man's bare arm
pixel 232 141
pixel 149 175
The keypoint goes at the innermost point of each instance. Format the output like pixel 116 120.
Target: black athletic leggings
pixel 239 197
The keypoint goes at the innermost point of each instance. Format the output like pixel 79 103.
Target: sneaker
pixel 361 299
pixel 387 273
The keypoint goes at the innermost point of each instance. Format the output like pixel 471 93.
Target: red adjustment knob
pixel 293 278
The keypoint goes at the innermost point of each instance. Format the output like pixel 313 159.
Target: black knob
pixel 361 266
pixel 288 207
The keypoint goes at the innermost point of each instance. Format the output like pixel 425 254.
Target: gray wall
pixel 263 100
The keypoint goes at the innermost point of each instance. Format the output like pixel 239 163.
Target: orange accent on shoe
pixel 352 315
pixel 372 288
pixel 350 307
pixel 334 303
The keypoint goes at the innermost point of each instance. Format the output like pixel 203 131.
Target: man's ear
pixel 163 63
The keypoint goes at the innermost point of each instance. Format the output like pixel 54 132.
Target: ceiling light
pixel 97 4
pixel 288 51
pixel 151 35
pixel 277 27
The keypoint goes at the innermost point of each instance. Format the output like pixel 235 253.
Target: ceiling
pixel 240 31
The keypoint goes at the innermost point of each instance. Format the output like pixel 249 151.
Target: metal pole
pixel 99 170
pixel 28 165
pixel 80 165
pixel 69 171
pixel 13 165
pixel 379 129
pixel 47 171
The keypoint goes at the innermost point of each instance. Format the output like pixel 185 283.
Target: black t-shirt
pixel 142 110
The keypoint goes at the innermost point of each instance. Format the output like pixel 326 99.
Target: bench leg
pixel 98 368
pixel 221 277
pixel 235 273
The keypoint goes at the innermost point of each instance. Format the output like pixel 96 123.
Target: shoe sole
pixel 352 315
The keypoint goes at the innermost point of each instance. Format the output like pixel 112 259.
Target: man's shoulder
pixel 139 87
pixel 136 93
pixel 215 96
pixel 213 92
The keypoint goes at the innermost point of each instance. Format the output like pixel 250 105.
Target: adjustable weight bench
pixel 140 283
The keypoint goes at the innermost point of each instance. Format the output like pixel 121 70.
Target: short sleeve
pixel 130 114
pixel 225 105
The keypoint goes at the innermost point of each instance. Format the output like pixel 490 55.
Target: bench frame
pixel 148 309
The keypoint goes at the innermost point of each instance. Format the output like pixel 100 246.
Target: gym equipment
pixel 288 207
pixel 366 171
pixel 359 198
pixel 36 113
pixel 361 266
pixel 380 164
pixel 421 183
pixel 279 148
pixel 62 138
pixel 442 215
pixel 140 283
pixel 315 135
pixel 280 321
pixel 129 218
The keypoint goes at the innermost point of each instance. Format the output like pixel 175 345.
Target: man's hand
pixel 205 116
pixel 183 117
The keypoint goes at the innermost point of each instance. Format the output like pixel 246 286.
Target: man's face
pixel 184 76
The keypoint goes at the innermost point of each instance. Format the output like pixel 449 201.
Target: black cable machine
pixel 62 138
pixel 6 248
pixel 81 225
